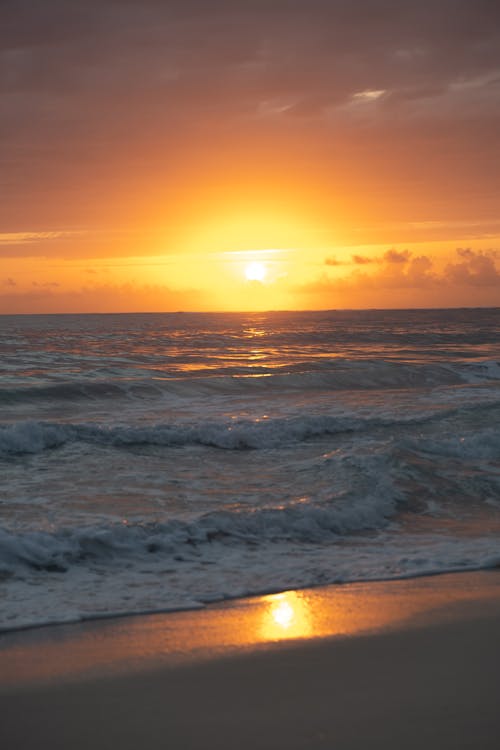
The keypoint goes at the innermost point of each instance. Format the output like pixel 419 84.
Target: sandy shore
pixel 407 664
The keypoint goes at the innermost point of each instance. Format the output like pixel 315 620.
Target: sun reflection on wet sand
pixel 285 615
pixel 131 644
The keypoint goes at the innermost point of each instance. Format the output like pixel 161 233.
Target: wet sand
pixel 404 664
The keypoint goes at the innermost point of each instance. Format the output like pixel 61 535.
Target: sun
pixel 255 271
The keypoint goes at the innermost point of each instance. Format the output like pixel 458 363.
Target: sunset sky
pixel 151 151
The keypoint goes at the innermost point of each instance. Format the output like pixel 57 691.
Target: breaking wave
pixel 233 434
pixel 302 521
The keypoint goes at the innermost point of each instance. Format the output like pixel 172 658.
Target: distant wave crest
pixel 328 374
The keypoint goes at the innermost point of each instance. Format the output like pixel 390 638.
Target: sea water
pixel 161 461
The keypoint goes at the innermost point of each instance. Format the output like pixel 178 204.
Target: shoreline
pixel 230 600
pixel 135 642
pixel 405 664
pixel 400 665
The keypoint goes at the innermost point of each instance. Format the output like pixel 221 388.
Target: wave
pixel 81 390
pixel 483 445
pixel 229 434
pixel 302 521
pixel 329 374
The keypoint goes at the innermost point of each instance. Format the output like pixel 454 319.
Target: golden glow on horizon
pixel 427 274
pixel 253 229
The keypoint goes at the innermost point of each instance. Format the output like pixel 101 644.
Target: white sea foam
pixel 302 522
pixel 153 585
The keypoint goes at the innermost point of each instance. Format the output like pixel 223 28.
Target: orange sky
pixel 150 152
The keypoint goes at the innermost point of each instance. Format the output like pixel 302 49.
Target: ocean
pixel 155 462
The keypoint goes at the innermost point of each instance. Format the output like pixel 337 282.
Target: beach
pixel 249 375
pixel 258 531
pixel 392 664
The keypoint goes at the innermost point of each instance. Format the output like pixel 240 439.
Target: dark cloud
pixel 390 256
pixel 282 45
pixel 397 256
pixel 96 95
pixel 362 260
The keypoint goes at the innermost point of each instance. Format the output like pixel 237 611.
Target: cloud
pixel 397 256
pixel 107 100
pixel 192 55
pixel 394 270
pixel 11 239
pixel 390 256
pixel 413 280
pixel 362 260
pixel 474 269
pixel 400 271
